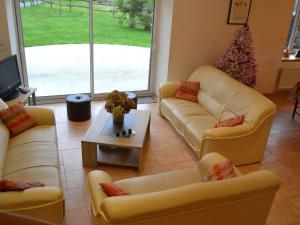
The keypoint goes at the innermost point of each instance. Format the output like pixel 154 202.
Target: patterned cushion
pixel 16 119
pixel 238 120
pixel 187 90
pixel 113 190
pixel 220 171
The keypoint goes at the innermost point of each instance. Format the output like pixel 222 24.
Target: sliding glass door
pixel 79 46
pixel 56 41
pixel 122 46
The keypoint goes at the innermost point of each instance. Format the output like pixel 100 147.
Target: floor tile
pixel 166 150
pixel 74 199
pixel 78 217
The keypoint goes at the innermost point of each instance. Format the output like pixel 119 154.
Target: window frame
pixel 295 29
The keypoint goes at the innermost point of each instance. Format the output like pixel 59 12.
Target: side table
pixel 23 97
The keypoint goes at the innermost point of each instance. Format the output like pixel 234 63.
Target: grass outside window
pixel 43 25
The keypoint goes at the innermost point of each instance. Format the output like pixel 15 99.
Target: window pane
pixel 297 39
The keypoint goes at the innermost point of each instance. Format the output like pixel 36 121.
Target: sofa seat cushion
pixel 160 182
pixel 52 192
pixel 31 155
pixel 44 133
pixel 195 128
pixel 177 109
pixel 47 175
pixel 184 107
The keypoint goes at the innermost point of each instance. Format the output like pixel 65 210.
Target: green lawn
pixel 43 25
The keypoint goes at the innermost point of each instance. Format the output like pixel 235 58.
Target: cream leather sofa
pixel 181 198
pixel 220 97
pixel 33 154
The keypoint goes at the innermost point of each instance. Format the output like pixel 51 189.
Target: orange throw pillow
pixel 113 190
pixel 16 119
pixel 238 120
pixel 187 90
pixel 220 171
pixel 18 184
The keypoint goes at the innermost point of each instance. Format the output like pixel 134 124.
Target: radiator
pixel 288 77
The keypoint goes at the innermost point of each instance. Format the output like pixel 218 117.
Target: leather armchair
pixel 180 197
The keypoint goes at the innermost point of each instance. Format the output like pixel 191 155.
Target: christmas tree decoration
pixel 238 60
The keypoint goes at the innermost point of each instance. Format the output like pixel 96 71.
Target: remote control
pixel 24 89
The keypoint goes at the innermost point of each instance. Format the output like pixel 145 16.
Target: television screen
pixel 9 77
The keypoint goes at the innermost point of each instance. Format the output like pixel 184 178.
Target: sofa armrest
pixel 43 116
pixel 209 160
pixel 227 132
pixel 96 194
pixel 190 198
pixel 243 144
pixel 167 89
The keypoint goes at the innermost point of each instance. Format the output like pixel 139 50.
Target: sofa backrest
pixel 4 139
pixel 242 200
pixel 224 97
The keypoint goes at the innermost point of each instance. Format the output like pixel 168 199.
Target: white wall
pixel 162 42
pixel 201 34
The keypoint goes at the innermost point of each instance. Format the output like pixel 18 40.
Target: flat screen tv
pixel 9 78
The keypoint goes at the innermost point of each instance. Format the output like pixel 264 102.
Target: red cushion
pixel 187 90
pixel 238 120
pixel 113 190
pixel 18 184
pixel 220 171
pixel 16 119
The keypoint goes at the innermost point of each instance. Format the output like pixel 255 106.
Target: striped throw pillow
pixel 16 119
pixel 187 90
pixel 220 171
pixel 238 120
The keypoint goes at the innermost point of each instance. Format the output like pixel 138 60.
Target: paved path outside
pixel 64 69
pixel 29 4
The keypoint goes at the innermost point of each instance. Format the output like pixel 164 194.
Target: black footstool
pixel 133 97
pixel 78 107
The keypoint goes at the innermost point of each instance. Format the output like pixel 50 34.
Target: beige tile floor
pixel 166 151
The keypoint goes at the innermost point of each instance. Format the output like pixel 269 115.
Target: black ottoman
pixel 133 97
pixel 78 107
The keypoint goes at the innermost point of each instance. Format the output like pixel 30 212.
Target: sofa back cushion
pixel 224 97
pixel 4 139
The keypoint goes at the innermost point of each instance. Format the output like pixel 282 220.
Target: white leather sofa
pixel 220 97
pixel 181 198
pixel 33 155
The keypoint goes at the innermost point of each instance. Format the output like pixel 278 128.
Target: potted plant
pixel 118 104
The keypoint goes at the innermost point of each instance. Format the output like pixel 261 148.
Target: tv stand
pixel 12 96
pixel 27 97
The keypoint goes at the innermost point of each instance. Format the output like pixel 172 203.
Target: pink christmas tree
pixel 238 60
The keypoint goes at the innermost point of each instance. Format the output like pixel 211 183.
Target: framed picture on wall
pixel 239 11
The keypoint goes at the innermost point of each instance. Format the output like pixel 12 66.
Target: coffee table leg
pixel 141 159
pixel 89 154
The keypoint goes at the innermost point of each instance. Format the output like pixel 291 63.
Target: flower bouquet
pixel 118 103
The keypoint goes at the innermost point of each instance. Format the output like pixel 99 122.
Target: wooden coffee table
pixel 100 144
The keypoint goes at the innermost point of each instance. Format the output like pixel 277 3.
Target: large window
pixel 293 40
pixel 87 46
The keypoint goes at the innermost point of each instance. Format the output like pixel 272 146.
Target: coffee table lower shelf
pixel 128 157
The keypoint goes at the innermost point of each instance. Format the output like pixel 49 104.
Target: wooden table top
pixel 102 130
